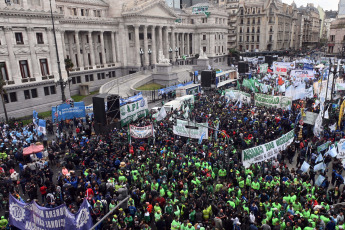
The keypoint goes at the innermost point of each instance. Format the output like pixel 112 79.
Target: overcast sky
pixel 325 4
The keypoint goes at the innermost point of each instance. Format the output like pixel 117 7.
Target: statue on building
pixel 202 55
pixel 162 59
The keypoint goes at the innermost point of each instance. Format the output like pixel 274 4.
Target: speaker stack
pixel 243 67
pixel 208 78
pixel 269 60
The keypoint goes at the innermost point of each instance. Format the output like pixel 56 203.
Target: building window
pixel 82 12
pixel 129 36
pixel 241 21
pixel 87 38
pixel 76 60
pixel 73 81
pixel 248 21
pixel 258 39
pixel 6 98
pixel 3 71
pixel 44 67
pixel 13 97
pixel 19 38
pixel 52 89
pixel 89 58
pixel 24 69
pixel 87 78
pixel 78 79
pixel 34 93
pixel 259 21
pixel 27 94
pixel 100 58
pixel 98 13
pixel 46 91
pixel 253 39
pixel 86 12
pixel 39 37
pixel 74 11
pixel 204 49
pixel 91 77
pixel 247 38
pixel 204 37
pixel 99 38
pixel 100 76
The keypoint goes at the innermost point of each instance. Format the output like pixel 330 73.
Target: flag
pixel 238 85
pixel 240 106
pixel 201 137
pixel 318 126
pixel 332 152
pixel 162 114
pixel 333 127
pixel 305 166
pixel 319 158
pixel 42 126
pixel 319 180
pixel 320 166
pixel 326 114
pixel 35 119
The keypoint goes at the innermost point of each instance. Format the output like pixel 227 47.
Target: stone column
pixel 13 68
pixel 104 58
pixel 83 45
pixel 154 45
pixel 160 39
pixel 71 54
pixel 212 45
pixel 173 45
pixel 77 41
pixel 117 42
pixel 137 48
pixel 182 45
pixel 166 43
pixel 63 44
pixel 34 61
pixel 146 48
pixel 52 52
pixel 113 49
pixel 188 43
pixel 92 51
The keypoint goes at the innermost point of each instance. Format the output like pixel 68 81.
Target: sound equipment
pixel 243 67
pixel 269 60
pixel 113 105
pixel 99 109
pixel 207 78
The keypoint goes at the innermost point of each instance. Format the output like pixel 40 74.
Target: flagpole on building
pixel 61 82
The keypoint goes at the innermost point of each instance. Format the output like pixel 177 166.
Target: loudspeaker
pixel 269 60
pixel 243 67
pixel 113 105
pixel 207 78
pixel 99 109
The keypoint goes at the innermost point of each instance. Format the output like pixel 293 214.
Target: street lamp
pixel 149 52
pixel 141 52
pixel 170 57
pixel 61 82
pixel 176 51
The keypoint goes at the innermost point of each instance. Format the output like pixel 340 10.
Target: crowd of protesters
pixel 176 182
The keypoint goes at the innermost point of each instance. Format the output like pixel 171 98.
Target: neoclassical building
pixel 104 39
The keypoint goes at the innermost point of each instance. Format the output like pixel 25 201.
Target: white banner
pixel 272 101
pixel 267 151
pixel 195 131
pixel 341 148
pixel 238 95
pixel 141 132
pixel 281 68
pixel 302 73
pixel 310 118
pixel 132 111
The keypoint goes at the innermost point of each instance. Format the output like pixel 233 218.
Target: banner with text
pixel 267 151
pixel 32 216
pixel 141 132
pixel 66 112
pixel 191 129
pixel 132 111
pixel 302 73
pixel 272 101
pixel 281 68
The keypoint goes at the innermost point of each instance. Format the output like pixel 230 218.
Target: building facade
pixel 102 38
pixel 265 25
pixel 336 40
pixel 310 26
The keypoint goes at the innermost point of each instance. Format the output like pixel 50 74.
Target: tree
pixel 234 53
pixel 3 92
pixel 69 66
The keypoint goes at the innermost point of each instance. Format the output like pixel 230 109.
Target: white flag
pixel 333 127
pixel 305 166
pixel 162 114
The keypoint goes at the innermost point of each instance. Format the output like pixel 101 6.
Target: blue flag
pixel 202 136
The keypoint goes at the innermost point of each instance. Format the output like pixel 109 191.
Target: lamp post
pixel 141 52
pixel 176 51
pixel 149 52
pixel 170 57
pixel 61 82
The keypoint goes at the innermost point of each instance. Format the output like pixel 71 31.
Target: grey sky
pixel 325 4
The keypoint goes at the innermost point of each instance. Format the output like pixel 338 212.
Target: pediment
pixel 152 9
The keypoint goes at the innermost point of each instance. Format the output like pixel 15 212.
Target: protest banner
pixel 305 167
pixel 195 130
pixel 30 216
pixel 267 151
pixel 339 86
pixel 238 95
pixel 132 111
pixel 302 73
pixel 341 148
pixel 319 180
pixel 66 112
pixel 281 68
pixel 141 132
pixel 263 68
pixel 310 118
pixel 323 147
pixel 272 101
pixel 131 99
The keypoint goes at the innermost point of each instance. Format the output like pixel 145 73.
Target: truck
pixel 172 105
pixel 191 89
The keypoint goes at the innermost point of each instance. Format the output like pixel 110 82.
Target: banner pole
pixel 109 213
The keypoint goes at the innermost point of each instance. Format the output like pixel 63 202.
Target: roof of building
pixel 87 2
